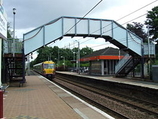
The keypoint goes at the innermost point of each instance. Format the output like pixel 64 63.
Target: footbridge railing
pixel 122 62
pixel 86 27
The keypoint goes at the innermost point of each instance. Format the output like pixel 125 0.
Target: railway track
pixel 121 105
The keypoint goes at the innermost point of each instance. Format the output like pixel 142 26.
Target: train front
pixel 49 69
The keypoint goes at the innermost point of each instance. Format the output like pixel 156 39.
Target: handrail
pixel 123 61
pixel 152 49
pixel 8 46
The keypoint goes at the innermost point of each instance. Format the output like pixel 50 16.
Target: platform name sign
pixel 3 21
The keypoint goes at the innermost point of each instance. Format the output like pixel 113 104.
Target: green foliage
pixel 43 54
pixel 155 62
pixel 85 64
pixel 137 28
pixel 152 21
pixel 61 55
pixel 86 51
pixel 8 31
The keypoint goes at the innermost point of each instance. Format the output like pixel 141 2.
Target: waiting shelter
pixel 103 62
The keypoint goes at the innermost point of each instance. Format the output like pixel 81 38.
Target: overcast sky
pixel 34 13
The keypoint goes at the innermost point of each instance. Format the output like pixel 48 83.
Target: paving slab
pixel 39 98
pixel 35 100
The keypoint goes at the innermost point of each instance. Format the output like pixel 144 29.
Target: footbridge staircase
pixel 90 27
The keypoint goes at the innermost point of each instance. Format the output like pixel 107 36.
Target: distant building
pixel 102 62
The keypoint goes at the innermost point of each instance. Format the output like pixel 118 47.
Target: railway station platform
pixel 130 81
pixel 41 99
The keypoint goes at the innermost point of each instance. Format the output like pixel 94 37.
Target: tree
pixel 8 31
pixel 44 54
pixel 58 55
pixel 54 53
pixel 137 28
pixel 86 51
pixel 152 21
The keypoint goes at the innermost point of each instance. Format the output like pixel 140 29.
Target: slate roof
pixel 109 51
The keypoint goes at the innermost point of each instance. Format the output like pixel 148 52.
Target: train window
pixel 45 66
pixel 48 66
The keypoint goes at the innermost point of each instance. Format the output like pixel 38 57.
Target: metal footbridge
pixel 90 27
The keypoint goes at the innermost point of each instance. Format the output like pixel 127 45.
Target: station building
pixel 3 36
pixel 103 62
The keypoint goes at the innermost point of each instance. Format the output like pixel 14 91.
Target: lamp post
pixel 148 48
pixel 50 57
pixel 78 57
pixel 64 61
pixel 58 58
pixel 74 59
pixel 14 12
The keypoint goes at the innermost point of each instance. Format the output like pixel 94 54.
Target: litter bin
pixel 155 73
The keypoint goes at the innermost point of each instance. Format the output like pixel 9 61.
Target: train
pixel 46 68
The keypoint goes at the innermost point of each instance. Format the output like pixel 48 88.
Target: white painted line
pixel 81 114
pixel 94 108
pixel 41 77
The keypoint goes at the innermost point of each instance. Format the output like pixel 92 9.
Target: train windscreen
pixel 49 66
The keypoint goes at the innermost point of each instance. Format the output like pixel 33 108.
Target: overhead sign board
pixel 3 21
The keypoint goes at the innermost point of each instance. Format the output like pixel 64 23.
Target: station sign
pixel 3 21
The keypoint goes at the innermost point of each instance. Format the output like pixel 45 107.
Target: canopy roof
pixel 108 53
